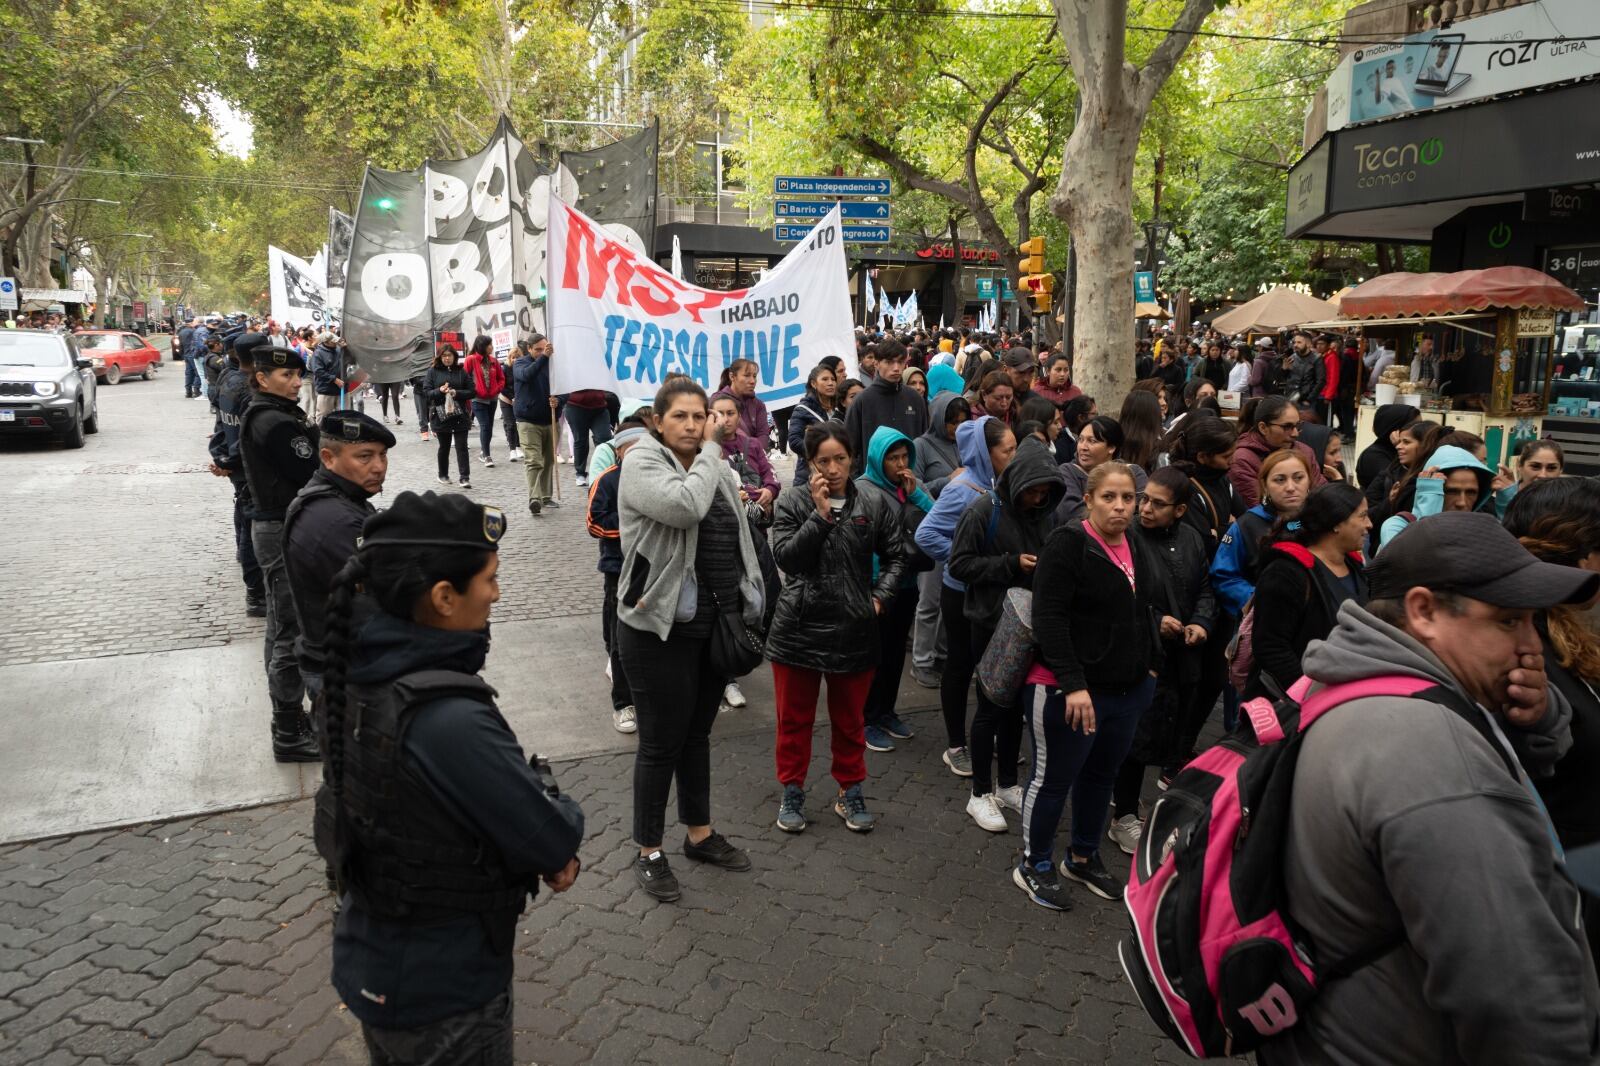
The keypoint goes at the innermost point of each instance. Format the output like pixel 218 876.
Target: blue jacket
pixel 976 478
pixel 327 366
pixel 912 508
pixel 531 378
pixel 604 523
pixel 1233 569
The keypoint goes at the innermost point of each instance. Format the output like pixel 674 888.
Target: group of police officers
pixel 410 843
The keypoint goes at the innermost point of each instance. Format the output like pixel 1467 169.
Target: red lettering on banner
pixel 606 261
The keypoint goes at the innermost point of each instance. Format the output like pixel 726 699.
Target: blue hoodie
pixel 1429 499
pixel 975 479
pixel 874 479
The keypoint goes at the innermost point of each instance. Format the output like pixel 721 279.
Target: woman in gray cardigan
pixel 685 549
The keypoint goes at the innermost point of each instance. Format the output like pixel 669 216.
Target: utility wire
pixel 203 178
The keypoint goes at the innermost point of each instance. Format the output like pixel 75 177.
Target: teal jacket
pixel 1430 491
pixel 912 507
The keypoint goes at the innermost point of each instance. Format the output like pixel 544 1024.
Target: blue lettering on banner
pixel 645 353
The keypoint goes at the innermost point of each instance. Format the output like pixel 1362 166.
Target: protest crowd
pixel 1097 589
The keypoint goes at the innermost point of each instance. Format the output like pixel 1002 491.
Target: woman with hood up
pixel 986 446
pixel 1375 461
pixel 889 474
pixel 996 545
pixel 937 459
pixel 1454 480
pixel 943 379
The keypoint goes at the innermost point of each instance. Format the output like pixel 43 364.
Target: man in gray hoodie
pixel 1416 835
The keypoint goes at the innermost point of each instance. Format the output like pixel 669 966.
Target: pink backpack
pixel 1214 956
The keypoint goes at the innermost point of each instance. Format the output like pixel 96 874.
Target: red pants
pixel 796 690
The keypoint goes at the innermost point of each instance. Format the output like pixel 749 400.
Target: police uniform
pixel 320 531
pixel 443 827
pixel 279 449
pixel 232 397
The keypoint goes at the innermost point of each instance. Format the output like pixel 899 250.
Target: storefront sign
pixel 1144 286
pixel 1575 267
pixel 621 323
pixel 1490 55
pixel 139 309
pixel 1308 188
pixel 985 288
pixel 1560 205
pixel 969 254
pixel 1536 323
pixel 8 294
pixel 1538 141
pixel 56 296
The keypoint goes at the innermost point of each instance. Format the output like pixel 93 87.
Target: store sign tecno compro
pixel 1507 51
pixel 1537 141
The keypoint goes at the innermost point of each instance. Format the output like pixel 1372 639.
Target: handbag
pixel 735 649
pixel 1011 651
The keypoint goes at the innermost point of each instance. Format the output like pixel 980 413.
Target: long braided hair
pixel 396 577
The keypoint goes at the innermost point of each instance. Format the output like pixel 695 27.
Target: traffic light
pixel 1039 287
pixel 1035 282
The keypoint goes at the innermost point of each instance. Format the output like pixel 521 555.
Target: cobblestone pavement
pixel 134 528
pixel 206 940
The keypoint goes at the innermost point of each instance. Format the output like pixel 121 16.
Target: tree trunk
pixel 1093 200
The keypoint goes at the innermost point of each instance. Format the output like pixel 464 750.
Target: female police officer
pixel 441 829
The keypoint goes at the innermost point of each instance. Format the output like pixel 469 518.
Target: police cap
pixel 245 344
pixel 354 427
pixel 431 518
pixel 274 358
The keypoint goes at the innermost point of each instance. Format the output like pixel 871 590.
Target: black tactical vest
pixel 269 490
pixel 397 847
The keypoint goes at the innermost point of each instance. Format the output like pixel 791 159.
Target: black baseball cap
pixel 274 358
pixel 354 427
pixel 1019 359
pixel 1472 554
pixel 444 519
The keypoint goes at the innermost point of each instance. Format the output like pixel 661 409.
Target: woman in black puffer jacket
pixel 825 534
pixel 447 381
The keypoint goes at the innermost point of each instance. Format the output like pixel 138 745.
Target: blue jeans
pixel 194 374
pixel 1066 760
pixel 586 420
pixel 483 414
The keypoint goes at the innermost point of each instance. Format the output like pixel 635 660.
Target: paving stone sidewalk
pixel 207 940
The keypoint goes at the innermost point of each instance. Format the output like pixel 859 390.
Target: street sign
pixel 852 234
pixel 985 288
pixel 1006 292
pixel 799 209
pixel 794 186
pixel 171 290
pixel 1144 286
pixel 8 294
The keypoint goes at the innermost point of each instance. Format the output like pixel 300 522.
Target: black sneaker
pixel 534 508
pixel 1094 876
pixel 255 604
pixel 1042 886
pixel 716 850
pixel 657 877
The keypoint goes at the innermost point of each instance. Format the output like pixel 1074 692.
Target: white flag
pixel 677 258
pixel 621 323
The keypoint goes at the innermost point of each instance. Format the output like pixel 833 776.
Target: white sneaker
pixel 583 482
pixel 516 455
pixel 985 810
pixel 486 460
pixel 562 459
pixel 1010 797
pixel 626 720
pixel 732 696
pixel 1125 832
pixel 445 481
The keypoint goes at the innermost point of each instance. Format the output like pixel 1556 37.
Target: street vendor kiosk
pixel 1477 351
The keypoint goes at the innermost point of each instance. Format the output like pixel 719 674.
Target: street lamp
pixel 1156 232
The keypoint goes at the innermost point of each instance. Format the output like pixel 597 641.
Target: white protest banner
pixel 621 323
pixel 299 291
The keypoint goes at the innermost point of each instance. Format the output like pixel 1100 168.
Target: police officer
pixel 279 449
pixel 232 397
pixel 323 523
pixel 441 828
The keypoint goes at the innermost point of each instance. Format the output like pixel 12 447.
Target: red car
pixel 116 354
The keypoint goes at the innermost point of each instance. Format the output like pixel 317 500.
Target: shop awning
pixel 1404 295
pixel 1277 308
pixel 1146 309
pixel 1410 320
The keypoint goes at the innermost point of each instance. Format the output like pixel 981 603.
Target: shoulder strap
pixel 1298 552
pixel 425 685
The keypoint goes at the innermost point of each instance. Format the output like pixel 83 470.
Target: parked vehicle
pixel 46 387
pixel 117 354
